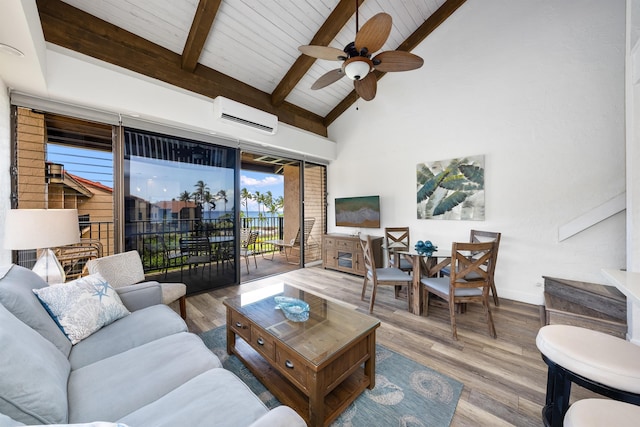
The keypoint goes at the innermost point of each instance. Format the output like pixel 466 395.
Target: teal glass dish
pixel 293 309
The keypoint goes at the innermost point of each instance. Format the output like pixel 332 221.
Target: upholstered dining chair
pixel 477 236
pixel 472 260
pixel 247 241
pixel 126 269
pixel 379 275
pixel 489 236
pixel 397 239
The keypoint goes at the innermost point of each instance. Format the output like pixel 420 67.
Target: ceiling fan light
pixel 357 70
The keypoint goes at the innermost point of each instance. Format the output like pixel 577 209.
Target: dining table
pixel 424 265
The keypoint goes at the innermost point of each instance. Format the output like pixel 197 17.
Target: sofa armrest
pixel 281 416
pixel 140 295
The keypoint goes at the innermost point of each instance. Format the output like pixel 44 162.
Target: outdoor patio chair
pixel 248 239
pixel 295 242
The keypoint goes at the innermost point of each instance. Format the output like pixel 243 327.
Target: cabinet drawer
pixel 329 242
pixel 241 325
pixel 262 342
pixel 345 245
pixel 292 366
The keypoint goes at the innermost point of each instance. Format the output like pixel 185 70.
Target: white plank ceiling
pixel 256 41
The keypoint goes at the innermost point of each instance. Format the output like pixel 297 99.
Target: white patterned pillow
pixel 82 306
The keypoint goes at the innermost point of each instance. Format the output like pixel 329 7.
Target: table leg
pixel 231 336
pixel 316 402
pixel 415 299
pixel 370 364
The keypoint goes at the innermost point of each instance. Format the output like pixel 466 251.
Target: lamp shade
pixel 40 228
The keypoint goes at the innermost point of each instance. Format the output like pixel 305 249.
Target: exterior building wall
pixel 291 212
pixel 314 190
pixel 32 191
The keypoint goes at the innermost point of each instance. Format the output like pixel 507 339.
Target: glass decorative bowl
pixel 425 248
pixel 293 309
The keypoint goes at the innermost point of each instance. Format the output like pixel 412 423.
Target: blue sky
pixel 97 166
pixel 262 182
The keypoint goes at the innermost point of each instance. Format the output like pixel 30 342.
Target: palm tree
pixel 245 196
pixel 259 197
pixel 269 203
pixel 279 203
pixel 201 189
pixel 210 200
pixel 222 195
pixel 185 196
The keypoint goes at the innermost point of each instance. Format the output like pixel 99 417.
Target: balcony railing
pixel 157 241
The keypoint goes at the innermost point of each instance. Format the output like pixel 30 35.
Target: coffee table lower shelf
pixel 288 394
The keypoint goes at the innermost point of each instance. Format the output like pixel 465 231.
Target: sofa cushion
pixel 82 306
pixel 213 398
pixel 17 296
pixel 140 327
pixel 116 386
pixel 34 374
pixel 121 269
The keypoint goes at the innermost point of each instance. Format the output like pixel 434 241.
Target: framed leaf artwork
pixel 451 189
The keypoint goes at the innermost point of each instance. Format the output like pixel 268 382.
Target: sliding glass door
pixel 179 208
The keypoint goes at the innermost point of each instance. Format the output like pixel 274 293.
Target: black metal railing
pixel 159 241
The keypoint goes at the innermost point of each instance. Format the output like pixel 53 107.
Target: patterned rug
pixel 406 393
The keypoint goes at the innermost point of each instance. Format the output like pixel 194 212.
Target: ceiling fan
pixel 356 56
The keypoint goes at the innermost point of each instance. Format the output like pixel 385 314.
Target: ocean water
pixel 252 214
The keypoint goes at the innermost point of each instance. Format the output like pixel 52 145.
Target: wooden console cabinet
pixel 343 252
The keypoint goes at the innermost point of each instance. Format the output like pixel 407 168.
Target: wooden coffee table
pixel 318 367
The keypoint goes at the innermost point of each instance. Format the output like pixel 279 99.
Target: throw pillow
pixel 82 306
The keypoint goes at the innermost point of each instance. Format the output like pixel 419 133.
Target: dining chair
pixel 467 260
pixel 397 239
pixel 380 276
pixel 489 236
pixel 247 241
pixel 477 236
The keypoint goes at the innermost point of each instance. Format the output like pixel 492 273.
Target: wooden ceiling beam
pixel 74 29
pixel 325 35
pixel 429 25
pixel 200 29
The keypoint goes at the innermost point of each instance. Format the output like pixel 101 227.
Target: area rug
pixel 406 393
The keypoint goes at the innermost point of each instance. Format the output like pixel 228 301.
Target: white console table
pixel 629 284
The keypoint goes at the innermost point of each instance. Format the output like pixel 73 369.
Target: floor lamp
pixel 42 229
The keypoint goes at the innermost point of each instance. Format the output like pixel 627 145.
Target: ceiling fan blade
pixel 366 87
pixel 374 33
pixel 323 52
pixel 328 78
pixel 396 60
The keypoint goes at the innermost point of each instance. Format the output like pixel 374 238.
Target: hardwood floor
pixel 504 379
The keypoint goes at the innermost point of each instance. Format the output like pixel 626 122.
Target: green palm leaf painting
pixel 451 189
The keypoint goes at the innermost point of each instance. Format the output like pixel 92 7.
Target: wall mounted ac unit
pixel 231 111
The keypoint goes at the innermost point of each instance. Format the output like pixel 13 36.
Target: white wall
pixel 633 134
pixel 535 86
pixel 5 162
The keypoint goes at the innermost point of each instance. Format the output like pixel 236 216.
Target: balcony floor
pixel 219 276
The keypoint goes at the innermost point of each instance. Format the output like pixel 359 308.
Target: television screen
pixel 358 212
